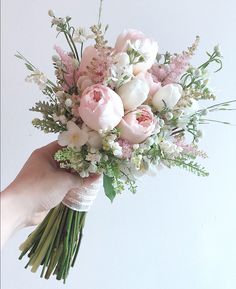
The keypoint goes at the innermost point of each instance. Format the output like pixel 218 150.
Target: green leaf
pixel 29 67
pixel 108 187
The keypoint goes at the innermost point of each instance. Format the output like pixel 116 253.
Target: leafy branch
pixel 190 166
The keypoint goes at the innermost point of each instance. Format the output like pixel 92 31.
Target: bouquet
pixel 120 111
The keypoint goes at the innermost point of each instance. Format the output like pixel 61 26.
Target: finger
pixel 50 150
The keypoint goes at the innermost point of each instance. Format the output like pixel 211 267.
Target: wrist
pixel 13 214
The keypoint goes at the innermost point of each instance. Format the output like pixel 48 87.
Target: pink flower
pixel 84 82
pixel 170 73
pixel 101 108
pixel 70 70
pixel 145 46
pixel 96 63
pixel 126 148
pixel 153 86
pixel 89 54
pixel 137 125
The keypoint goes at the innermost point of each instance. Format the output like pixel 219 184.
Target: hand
pixel 40 186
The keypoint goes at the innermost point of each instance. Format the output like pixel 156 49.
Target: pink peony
pixel 101 108
pixel 145 46
pixel 137 125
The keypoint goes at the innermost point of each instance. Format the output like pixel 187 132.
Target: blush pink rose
pixel 145 46
pixel 100 108
pixel 89 53
pixel 137 125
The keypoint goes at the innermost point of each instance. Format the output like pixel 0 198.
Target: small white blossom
pixel 80 35
pixel 50 13
pixel 62 119
pixel 92 168
pixel 105 158
pixel 170 148
pixel 169 115
pixel 117 149
pixel 93 157
pixel 74 136
pixel 135 146
pixel 39 78
pixel 84 174
pixel 68 102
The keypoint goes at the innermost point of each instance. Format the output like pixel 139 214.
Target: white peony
pixel 168 96
pixel 133 93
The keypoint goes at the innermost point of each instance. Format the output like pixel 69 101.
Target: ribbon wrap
pixel 81 199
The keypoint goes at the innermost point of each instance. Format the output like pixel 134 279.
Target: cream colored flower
pixel 74 136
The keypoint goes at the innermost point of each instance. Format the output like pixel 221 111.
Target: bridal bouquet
pixel 120 111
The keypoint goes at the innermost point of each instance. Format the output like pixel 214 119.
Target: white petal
pixel 64 138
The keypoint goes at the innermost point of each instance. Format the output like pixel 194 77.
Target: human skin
pixel 39 186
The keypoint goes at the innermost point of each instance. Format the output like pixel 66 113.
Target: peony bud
pixel 167 96
pixel 133 93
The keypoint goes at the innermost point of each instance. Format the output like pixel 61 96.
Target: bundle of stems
pixel 55 243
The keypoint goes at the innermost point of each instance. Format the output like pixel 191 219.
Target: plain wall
pixel 178 231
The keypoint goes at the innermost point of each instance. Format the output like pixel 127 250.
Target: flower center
pixel 97 95
pixel 143 117
pixel 74 138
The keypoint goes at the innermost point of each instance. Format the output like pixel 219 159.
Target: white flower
pixel 74 136
pixel 93 157
pixel 62 119
pixel 167 96
pixel 92 168
pixel 80 35
pixel 187 112
pixel 117 149
pixel 68 102
pixel 84 174
pixel 94 138
pixel 51 13
pixel 169 148
pixel 121 70
pixel 39 78
pixel 133 93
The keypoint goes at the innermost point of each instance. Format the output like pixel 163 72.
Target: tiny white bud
pixel 55 58
pixel 68 102
pixel 161 122
pixel 169 115
pixel 105 158
pixel 135 146
pixel 50 13
pixel 199 133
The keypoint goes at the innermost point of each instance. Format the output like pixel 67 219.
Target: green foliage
pixel 71 159
pixel 48 125
pixel 108 187
pixel 45 108
pixel 188 165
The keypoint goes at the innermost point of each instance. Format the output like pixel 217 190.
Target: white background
pixel 178 231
